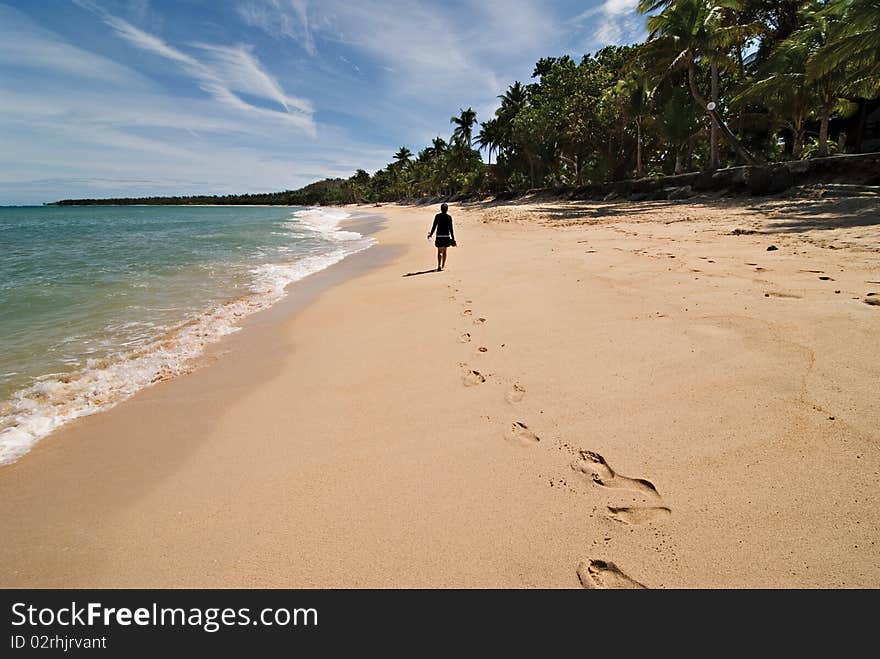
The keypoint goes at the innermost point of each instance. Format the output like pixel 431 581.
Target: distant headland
pixel 325 193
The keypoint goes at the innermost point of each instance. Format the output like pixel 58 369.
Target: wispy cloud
pixel 279 19
pixel 225 71
pixel 34 48
pixel 240 70
pixel 426 57
pixel 612 22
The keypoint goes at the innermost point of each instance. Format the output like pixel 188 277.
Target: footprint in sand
pixel 519 433
pixel 790 296
pixel 480 320
pixel 464 337
pixel 595 467
pixel 516 393
pixel 598 574
pixel 472 378
pixel 483 349
pixel 635 515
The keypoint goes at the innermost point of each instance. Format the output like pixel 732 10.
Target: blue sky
pixel 103 98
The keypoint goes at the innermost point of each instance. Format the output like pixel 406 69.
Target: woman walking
pixel 445 235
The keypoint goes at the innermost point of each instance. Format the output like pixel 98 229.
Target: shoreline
pixel 176 350
pixel 357 435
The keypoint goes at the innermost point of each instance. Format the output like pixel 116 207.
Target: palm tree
pixel 677 121
pixel 781 87
pixel 514 99
pixel 637 97
pixel 438 146
pixel 403 156
pixel 464 124
pixel 687 32
pixel 853 51
pixel 490 136
pixel 857 45
pixel 783 80
pixel 513 102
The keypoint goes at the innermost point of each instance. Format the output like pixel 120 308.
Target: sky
pixel 111 98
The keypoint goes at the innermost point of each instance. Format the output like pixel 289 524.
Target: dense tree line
pixel 717 83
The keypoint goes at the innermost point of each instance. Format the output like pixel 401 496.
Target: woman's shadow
pixel 423 272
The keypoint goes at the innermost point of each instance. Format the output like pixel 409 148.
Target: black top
pixel 442 225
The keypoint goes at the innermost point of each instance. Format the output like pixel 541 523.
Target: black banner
pixel 135 622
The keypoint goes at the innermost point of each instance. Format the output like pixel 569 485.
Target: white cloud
pixel 241 71
pixel 280 18
pixel 225 71
pixel 617 7
pixel 425 59
pixel 614 22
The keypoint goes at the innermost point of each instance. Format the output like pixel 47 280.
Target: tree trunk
pixel 798 147
pixel 638 148
pixel 679 160
pixel 823 135
pixel 740 126
pixel 860 132
pixel 728 135
pixel 713 128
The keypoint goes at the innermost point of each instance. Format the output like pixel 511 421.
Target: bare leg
pixel 439 260
pixel 441 257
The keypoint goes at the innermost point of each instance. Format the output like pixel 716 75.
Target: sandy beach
pixel 610 394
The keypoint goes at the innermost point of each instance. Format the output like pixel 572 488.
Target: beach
pixel 592 394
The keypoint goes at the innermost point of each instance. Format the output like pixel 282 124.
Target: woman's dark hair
pixel 444 207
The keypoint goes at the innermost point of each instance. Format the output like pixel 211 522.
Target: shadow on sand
pixel 423 272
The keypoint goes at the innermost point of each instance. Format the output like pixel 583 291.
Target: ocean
pixel 98 302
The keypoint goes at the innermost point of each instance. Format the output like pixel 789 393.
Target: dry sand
pixel 592 394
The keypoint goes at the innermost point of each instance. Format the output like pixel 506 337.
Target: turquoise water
pixel 99 302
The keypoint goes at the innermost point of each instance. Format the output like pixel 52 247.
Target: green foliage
pixel 855 47
pixel 812 149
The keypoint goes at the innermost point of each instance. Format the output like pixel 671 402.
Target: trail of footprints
pixel 517 432
pixel 592 573
pixel 597 573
